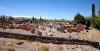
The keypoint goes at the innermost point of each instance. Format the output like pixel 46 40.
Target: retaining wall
pixel 54 40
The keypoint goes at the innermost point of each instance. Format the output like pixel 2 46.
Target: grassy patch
pixel 9 48
pixel 85 49
pixel 19 42
pixel 43 48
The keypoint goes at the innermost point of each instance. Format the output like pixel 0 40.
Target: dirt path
pixel 96 34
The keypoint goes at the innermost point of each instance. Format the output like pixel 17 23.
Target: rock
pixel 61 29
pixel 38 33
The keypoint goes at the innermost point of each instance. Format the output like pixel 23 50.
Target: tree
pixel 79 19
pixel 11 18
pixel 40 18
pixel 33 18
pixel 88 22
pixel 99 12
pixel 2 18
pixel 97 22
pixel 93 10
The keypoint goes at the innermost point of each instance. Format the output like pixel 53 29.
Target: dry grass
pixel 9 48
pixel 19 42
pixel 10 44
pixel 85 49
pixel 43 48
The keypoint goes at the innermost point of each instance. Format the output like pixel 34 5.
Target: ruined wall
pixel 54 40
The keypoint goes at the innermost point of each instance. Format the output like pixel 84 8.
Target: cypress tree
pixel 93 10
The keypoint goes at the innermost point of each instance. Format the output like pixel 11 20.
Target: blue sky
pixel 52 9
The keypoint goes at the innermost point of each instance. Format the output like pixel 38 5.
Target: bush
pixel 85 49
pixel 10 44
pixel 19 42
pixel 79 19
pixel 9 48
pixel 43 48
pixel 95 22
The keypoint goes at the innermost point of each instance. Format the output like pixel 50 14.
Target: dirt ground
pixel 96 34
pixel 33 46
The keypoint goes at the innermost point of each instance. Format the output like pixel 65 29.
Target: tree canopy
pixel 79 19
pixel 10 18
pixel 2 18
pixel 96 22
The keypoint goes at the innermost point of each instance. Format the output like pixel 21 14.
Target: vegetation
pixel 88 22
pixel 93 21
pixel 79 19
pixel 10 44
pixel 43 48
pixel 19 42
pixel 96 22
pixel 85 49
pixel 10 18
pixel 33 18
pixel 2 18
pixel 93 10
pixel 99 12
pixel 9 47
pixel 40 18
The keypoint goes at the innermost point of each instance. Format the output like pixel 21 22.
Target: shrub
pixel 85 49
pixel 10 44
pixel 19 42
pixel 43 48
pixel 9 48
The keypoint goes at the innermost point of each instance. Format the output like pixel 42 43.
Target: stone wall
pixel 54 40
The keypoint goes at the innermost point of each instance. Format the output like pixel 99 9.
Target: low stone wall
pixel 54 40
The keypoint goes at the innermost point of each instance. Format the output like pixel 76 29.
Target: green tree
pixel 33 18
pixel 97 22
pixel 2 18
pixel 88 22
pixel 99 12
pixel 93 10
pixel 79 19
pixel 11 18
pixel 40 18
